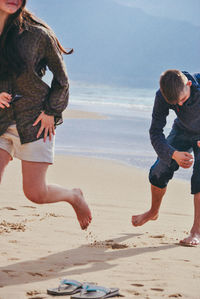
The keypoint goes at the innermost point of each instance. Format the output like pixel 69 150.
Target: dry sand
pixel 39 245
pixel 42 244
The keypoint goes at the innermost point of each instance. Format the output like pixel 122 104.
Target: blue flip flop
pixel 66 287
pixel 95 292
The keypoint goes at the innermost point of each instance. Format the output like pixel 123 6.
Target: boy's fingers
pixel 188 155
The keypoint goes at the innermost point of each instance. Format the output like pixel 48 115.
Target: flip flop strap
pixel 69 282
pixel 94 288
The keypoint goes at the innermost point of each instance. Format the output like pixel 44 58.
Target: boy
pixel 179 91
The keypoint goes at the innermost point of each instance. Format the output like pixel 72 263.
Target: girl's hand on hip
pixel 5 98
pixel 47 124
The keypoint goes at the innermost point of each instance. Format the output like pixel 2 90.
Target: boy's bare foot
pixel 81 208
pixel 192 240
pixel 138 220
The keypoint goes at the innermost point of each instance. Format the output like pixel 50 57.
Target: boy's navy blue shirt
pixel 188 119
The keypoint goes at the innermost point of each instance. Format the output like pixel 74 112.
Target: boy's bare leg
pixel 194 237
pixel 36 190
pixel 157 195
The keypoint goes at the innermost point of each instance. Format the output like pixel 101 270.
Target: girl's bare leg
pixel 4 160
pixel 36 190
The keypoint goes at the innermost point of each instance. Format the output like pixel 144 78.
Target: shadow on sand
pixel 72 262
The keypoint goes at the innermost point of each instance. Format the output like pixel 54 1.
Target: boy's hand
pixel 184 159
pixel 47 124
pixel 5 98
pixel 198 143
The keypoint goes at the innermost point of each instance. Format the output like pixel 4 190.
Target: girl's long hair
pixel 11 60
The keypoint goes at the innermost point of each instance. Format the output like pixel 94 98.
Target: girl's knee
pixel 36 196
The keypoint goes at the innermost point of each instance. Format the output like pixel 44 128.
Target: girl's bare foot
pixel 138 220
pixel 81 208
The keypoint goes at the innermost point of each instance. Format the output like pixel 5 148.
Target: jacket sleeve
pixel 59 92
pixel 158 140
pixel 197 77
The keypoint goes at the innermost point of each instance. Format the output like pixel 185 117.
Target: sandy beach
pixel 79 114
pixel 40 245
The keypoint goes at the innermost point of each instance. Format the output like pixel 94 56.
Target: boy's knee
pixel 160 182
pixel 160 173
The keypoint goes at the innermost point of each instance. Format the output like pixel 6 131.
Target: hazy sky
pixel 175 9
pixel 123 41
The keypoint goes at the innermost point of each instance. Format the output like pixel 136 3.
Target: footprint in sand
pixel 175 295
pixel 157 236
pixel 157 289
pixel 13 259
pixel 33 293
pixel 79 264
pixel 13 241
pixel 9 226
pixel 135 293
pixel 47 215
pixel 137 285
pixel 35 274
pixel 8 208
pixel 7 271
pixel 119 246
pixel 29 207
pixel 108 244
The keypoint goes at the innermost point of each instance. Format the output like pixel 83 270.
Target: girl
pixel 29 108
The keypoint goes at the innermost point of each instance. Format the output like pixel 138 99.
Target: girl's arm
pixel 59 93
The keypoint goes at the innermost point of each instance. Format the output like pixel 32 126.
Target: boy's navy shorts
pixel 160 173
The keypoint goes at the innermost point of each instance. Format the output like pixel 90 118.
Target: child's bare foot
pixel 81 208
pixel 192 240
pixel 141 219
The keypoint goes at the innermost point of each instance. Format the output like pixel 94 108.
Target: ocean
pixel 123 134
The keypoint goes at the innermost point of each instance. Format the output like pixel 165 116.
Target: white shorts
pixel 36 151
